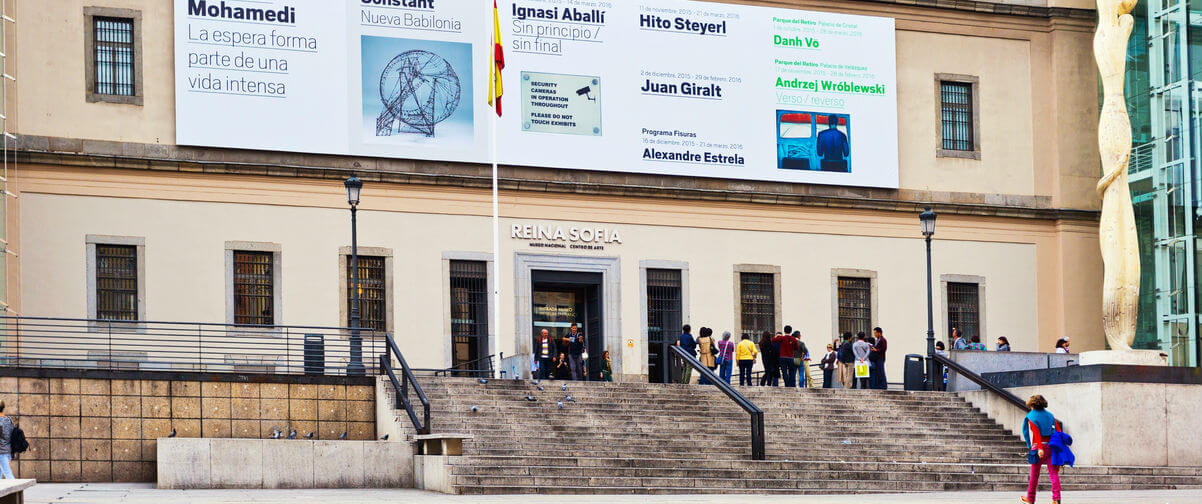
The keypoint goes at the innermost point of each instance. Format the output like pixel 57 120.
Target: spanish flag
pixel 498 62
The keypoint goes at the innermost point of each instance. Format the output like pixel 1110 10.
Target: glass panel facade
pixel 1164 97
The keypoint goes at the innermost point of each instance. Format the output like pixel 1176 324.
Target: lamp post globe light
pixel 355 368
pixel 927 218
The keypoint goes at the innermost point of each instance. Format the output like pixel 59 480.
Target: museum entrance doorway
pixel 561 298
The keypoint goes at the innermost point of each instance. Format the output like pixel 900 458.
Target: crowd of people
pixel 786 359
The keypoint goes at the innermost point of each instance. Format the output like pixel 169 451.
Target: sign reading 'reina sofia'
pixel 566 237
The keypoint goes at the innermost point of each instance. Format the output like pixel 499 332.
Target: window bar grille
pixel 855 305
pixel 664 317
pixel 372 293
pixel 758 301
pixel 963 308
pixel 469 310
pixel 114 42
pixel 253 288
pixel 956 98
pixel 116 282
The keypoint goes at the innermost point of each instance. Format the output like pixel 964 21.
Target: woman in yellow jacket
pixel 745 353
pixel 705 352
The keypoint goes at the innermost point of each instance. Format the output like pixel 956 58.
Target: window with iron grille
pixel 855 305
pixel 372 300
pixel 757 293
pixel 956 111
pixel 114 56
pixel 663 319
pixel 254 288
pixel 469 312
pixel 116 282
pixel 963 309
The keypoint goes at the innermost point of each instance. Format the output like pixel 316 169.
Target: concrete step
pixel 637 438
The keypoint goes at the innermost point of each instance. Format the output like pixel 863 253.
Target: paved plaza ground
pixel 106 493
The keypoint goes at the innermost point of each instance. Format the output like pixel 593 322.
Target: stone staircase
pixel 635 438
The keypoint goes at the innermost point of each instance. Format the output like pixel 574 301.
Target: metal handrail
pixel 100 344
pixel 135 323
pixel 757 415
pixel 460 368
pixel 422 426
pixel 980 380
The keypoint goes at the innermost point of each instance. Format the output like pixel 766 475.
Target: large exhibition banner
pixel 656 86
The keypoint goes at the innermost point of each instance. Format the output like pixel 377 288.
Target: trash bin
pixel 915 372
pixel 315 354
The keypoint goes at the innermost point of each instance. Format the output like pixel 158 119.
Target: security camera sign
pixel 563 104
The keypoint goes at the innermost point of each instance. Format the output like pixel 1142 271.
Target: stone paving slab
pixel 141 493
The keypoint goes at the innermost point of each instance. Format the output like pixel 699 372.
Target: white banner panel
pixel 659 86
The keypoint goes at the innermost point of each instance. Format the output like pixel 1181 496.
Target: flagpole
pixel 496 216
pixel 496 238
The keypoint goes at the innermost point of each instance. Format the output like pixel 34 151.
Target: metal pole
pixel 931 376
pixel 356 365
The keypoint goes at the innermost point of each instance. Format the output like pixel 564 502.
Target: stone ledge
pixel 169 158
pixel 105 374
pixel 1005 8
pixel 1097 373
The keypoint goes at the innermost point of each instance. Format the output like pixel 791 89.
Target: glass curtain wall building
pixel 1164 98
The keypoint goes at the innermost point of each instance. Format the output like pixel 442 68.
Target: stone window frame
pixel 344 254
pixel 873 293
pixel 644 265
pixel 975 83
pixel 90 243
pixel 778 312
pixel 448 357
pixel 942 333
pixel 277 285
pixel 90 13
pixel 610 268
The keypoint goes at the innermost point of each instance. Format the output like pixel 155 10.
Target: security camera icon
pixel 586 91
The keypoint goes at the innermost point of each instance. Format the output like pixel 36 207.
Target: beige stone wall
pixel 1041 275
pixel 1114 423
pixel 51 92
pixel 100 430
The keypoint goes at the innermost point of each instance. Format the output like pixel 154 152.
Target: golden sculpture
pixel 1117 235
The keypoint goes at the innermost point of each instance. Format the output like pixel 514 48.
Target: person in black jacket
pixel 770 355
pixel 847 360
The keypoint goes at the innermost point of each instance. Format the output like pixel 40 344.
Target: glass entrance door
pixel 560 299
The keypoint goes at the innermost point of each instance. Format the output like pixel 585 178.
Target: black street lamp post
pixel 927 218
pixel 355 367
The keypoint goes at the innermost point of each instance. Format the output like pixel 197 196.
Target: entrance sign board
pixel 654 86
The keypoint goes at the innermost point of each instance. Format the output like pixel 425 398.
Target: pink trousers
pixel 1053 474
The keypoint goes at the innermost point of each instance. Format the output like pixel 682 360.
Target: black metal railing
pixel 484 367
pixel 682 358
pixel 64 343
pixel 401 387
pixel 980 380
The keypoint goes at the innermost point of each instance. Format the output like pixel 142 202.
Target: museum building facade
pixel 107 217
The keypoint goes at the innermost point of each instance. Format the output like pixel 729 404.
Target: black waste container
pixel 315 354
pixel 915 372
